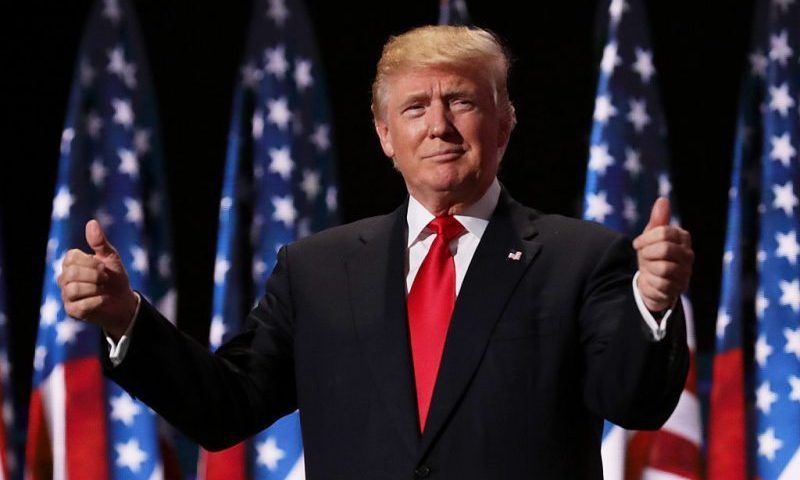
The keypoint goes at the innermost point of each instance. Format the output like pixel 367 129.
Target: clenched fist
pixel 665 258
pixel 95 287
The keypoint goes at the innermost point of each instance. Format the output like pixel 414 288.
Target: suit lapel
pixel 490 280
pixel 376 281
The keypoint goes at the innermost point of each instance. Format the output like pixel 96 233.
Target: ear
pixel 382 129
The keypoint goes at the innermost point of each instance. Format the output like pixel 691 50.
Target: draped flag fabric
pixel 453 12
pixel 627 171
pixel 755 399
pixel 279 186
pixel 80 425
pixel 7 424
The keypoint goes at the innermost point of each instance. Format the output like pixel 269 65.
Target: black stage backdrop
pixel 194 48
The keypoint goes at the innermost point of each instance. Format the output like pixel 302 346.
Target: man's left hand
pixel 665 257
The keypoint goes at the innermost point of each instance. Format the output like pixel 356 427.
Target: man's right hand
pixel 95 287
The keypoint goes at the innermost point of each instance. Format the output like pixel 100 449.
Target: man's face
pixel 444 132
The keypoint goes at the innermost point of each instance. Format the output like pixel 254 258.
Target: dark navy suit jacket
pixel 539 351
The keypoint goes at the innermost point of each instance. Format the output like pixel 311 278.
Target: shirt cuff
pixel 658 329
pixel 117 350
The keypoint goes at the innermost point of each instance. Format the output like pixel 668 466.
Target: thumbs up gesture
pixel 665 257
pixel 95 287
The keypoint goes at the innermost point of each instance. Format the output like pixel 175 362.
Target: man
pixel 462 336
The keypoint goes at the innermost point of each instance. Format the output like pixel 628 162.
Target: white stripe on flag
pixel 613 453
pixel 792 470
pixel 54 404
pixel 685 420
pixel 299 470
pixel 652 474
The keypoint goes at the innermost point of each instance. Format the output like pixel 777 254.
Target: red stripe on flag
pixel 86 419
pixel 38 455
pixel 727 452
pixel 663 451
pixel 228 464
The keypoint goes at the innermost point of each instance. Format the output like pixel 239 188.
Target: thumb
pixel 96 239
pixel 659 215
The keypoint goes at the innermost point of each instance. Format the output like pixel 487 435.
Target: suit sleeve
pixel 217 399
pixel 631 380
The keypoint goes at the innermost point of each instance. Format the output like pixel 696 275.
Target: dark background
pixel 194 49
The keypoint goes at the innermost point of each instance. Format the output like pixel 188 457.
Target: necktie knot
pixel 447 226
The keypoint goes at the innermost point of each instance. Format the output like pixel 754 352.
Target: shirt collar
pixel 475 217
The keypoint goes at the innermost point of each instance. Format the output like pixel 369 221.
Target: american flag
pixel 627 171
pixel 453 12
pixel 7 424
pixel 279 186
pixel 81 425
pixel 755 403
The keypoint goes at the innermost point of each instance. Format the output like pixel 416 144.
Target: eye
pixel 461 104
pixel 414 110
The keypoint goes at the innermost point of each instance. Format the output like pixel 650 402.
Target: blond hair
pixel 444 46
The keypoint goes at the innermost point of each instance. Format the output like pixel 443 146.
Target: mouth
pixel 445 155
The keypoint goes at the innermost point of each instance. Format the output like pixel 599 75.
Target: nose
pixel 439 122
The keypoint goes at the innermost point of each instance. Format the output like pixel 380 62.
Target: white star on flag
pixel 302 74
pixel 221 267
pixel 762 303
pixel 258 124
pixel 130 455
pixel 112 11
pixel 630 211
pixel 140 262
pixel 49 311
pixel 599 158
pixel 141 141
pixel 763 351
pixel 284 210
pixel 788 247
pixel 216 331
pixel 123 113
pixel 62 202
pixel 275 59
pixel 597 207
pixel 281 162
pixel 779 48
pixel 616 9
pixel 638 114
pixel 792 341
pixel 723 320
pixel 632 164
pixel 251 76
pixel 768 444
pixel 785 198
pixel 87 73
pixel 128 162
pixel 603 109
pixel 765 397
pixel 331 198
pixel 610 59
pixel 758 64
pixel 321 138
pixel 278 12
pixel 39 356
pixel 134 214
pixel 67 330
pixel 794 383
pixel 269 454
pixel 780 100
pixel 279 113
pixel 124 409
pixel 644 64
pixel 790 294
pixel 310 184
pixel 93 124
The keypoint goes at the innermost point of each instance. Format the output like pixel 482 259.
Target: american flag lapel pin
pixel 514 255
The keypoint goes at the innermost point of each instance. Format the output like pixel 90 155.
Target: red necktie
pixel 430 306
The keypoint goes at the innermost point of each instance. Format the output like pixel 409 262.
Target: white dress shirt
pixel 475 219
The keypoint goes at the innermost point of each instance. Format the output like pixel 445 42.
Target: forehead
pixel 436 80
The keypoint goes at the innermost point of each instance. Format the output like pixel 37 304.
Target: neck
pixel 449 203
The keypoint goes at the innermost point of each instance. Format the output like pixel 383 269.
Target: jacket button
pixel 422 471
